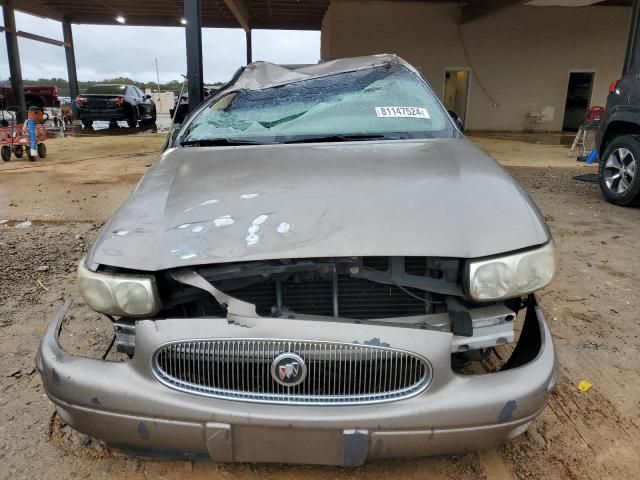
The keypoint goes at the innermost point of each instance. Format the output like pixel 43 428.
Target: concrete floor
pixel 591 308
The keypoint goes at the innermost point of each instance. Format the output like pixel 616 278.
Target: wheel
pixel 42 150
pixel 133 119
pixel 18 151
pixel 154 116
pixel 113 124
pixel 87 123
pixel 619 173
pixel 31 158
pixel 5 153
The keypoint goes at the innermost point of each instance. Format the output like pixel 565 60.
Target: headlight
pixel 118 295
pixel 512 275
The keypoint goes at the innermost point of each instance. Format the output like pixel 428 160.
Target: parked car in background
pixel 114 102
pixel 43 96
pixel 182 105
pixel 618 142
pixel 320 268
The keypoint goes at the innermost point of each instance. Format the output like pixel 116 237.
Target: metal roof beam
pixel 34 7
pixel 40 38
pixel 241 12
pixel 13 55
pixel 482 8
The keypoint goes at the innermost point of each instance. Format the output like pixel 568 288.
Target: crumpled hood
pixel 441 197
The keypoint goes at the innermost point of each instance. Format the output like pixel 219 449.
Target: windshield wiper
pixel 208 142
pixel 212 142
pixel 341 138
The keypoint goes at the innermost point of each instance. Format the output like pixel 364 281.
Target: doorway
pixel 577 102
pixel 456 91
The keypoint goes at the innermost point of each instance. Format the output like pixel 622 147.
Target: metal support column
pixel 193 33
pixel 72 73
pixel 249 49
pixel 14 60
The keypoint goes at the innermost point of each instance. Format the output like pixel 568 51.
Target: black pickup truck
pixel 618 142
pixel 115 102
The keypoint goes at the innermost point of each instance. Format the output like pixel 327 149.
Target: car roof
pixel 260 75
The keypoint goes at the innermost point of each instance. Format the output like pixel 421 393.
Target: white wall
pixel 521 55
pixel 164 101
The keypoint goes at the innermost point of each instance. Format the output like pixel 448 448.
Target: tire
pixel 133 119
pixel 5 153
pixel 619 172
pixel 154 116
pixel 87 123
pixel 42 150
pixel 18 151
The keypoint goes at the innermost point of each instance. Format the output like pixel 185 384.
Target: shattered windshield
pixel 382 102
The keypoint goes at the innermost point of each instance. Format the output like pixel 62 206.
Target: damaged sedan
pixel 318 269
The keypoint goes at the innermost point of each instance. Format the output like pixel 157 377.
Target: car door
pixel 136 100
pixel 145 103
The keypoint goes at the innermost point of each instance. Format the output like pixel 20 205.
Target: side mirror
pixel 456 118
pixel 147 97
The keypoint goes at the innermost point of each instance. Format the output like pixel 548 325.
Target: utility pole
pixel 158 82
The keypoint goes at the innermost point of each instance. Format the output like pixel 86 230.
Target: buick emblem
pixel 288 369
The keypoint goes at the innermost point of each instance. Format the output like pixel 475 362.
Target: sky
pixel 113 51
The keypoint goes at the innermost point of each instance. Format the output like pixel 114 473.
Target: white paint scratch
pixel 260 219
pixel 283 228
pixel 252 239
pixel 202 204
pixel 184 251
pixel 224 221
pixel 254 228
pixel 247 196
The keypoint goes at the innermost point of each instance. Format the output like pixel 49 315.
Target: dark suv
pixel 618 142
pixel 115 102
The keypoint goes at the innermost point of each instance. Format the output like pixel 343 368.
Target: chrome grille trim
pixel 337 373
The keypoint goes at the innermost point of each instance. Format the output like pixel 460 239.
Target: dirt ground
pixel 51 209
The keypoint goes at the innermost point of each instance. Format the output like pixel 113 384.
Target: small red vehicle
pixel 15 139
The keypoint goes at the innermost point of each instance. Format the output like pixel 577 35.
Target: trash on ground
pixel 584 385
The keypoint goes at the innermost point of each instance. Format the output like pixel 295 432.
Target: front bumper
pixel 122 404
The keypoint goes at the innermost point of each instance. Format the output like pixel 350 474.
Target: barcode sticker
pixel 402 112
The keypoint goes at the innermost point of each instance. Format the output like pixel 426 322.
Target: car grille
pixel 336 373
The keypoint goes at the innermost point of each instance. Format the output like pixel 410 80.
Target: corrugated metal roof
pixel 273 14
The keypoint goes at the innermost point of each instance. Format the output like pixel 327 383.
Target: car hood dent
pixel 442 197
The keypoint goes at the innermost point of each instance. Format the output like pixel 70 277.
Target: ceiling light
pixel 120 19
pixel 183 21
